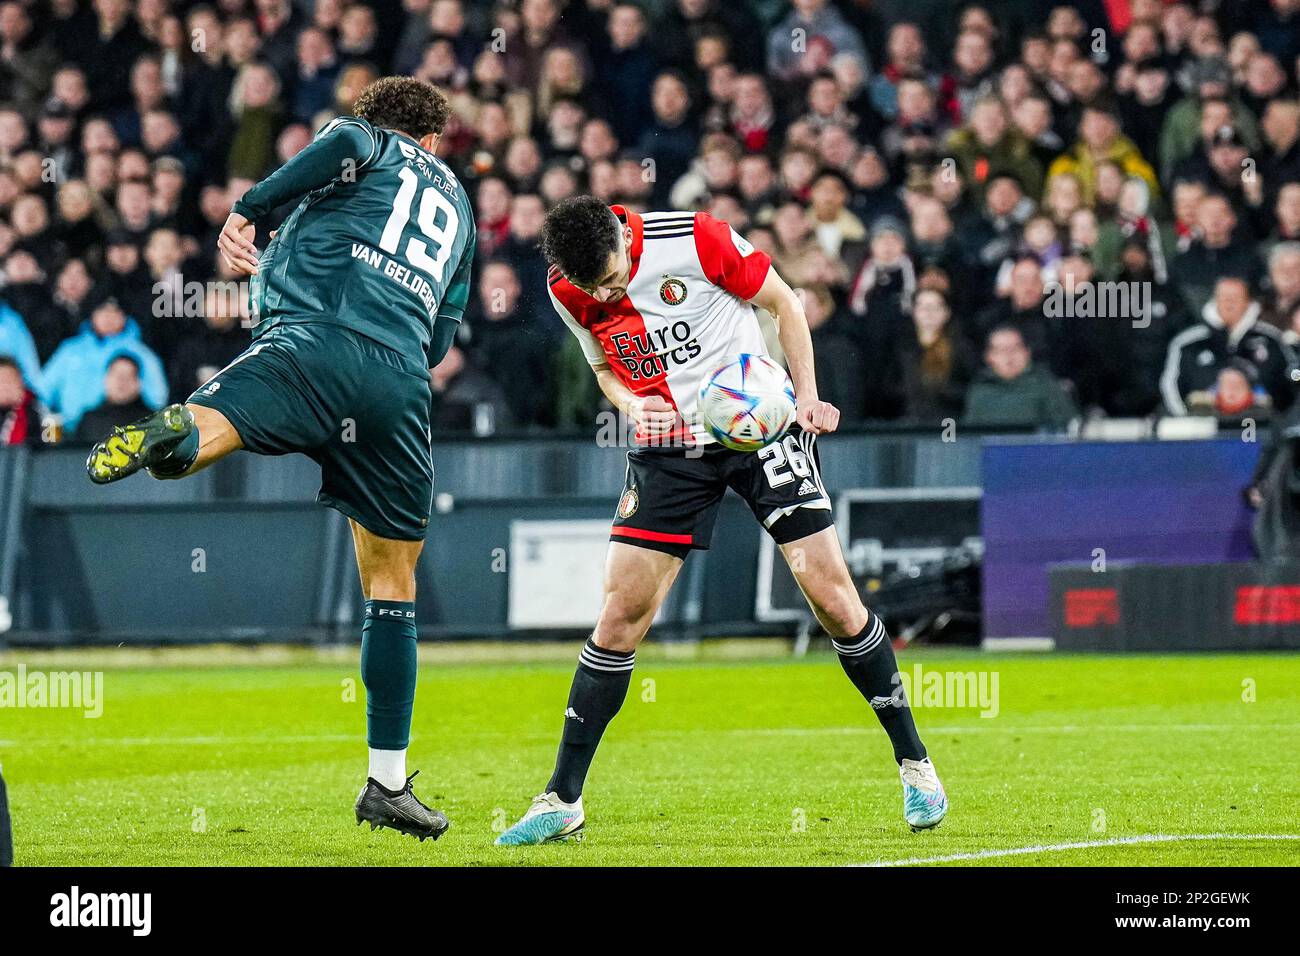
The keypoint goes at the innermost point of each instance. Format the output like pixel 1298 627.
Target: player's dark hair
pixel 578 237
pixel 404 104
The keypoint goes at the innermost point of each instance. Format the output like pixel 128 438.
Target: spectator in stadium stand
pixel 493 211
pixel 522 250
pixel 112 49
pixel 874 195
pixel 1282 293
pixel 512 346
pixel 78 227
pixel 17 345
pixel 1277 25
pixel 122 403
pixel 988 145
pixel 671 140
pixel 836 355
pixel 26 61
pixel 1011 390
pixel 1093 348
pixel 72 382
pixel 1281 161
pixel 259 117
pixel 938 362
pixel 1134 220
pixel 716 169
pixel 935 246
pixel 1286 213
pixel 1229 329
pixel 1214 251
pixel 466 399
pixel 756 186
pixel 27 291
pixel 834 226
pixel 1148 345
pixel 752 116
pixel 219 340
pixel 995 231
pixel 683 22
pixel 629 66
pixel 809 21
pixel 1264 81
pixel 1100 139
pixel 1032 117
pixel 879 307
pixel 1022 308
pixel 1236 395
pixel 1207 106
pixel 317 74
pixel 973 73
pixel 917 128
pixel 905 57
pixel 124 275
pixel 1220 168
pixel 20 418
pixel 1146 102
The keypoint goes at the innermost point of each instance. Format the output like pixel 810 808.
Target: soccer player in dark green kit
pixel 356 297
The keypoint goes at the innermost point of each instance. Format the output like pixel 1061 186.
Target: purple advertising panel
pixel 1046 503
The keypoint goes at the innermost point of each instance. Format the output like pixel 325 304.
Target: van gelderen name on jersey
pixel 403 275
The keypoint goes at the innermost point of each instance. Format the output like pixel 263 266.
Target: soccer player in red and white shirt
pixel 659 301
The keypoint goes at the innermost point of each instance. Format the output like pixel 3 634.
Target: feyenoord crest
pixel 627 504
pixel 672 291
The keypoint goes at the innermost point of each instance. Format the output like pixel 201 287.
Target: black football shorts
pixel 358 408
pixel 671 495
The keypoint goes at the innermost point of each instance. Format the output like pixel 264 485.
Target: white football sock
pixel 388 767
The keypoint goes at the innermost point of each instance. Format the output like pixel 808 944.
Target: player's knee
pixel 623 623
pixel 842 612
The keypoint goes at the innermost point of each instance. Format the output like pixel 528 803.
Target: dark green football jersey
pixel 382 242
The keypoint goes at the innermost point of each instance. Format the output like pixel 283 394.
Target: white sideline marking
pixel 1081 845
pixel 983 727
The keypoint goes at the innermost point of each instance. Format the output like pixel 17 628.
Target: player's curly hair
pixel 579 235
pixel 404 104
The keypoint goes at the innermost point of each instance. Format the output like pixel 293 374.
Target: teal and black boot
pixel 141 444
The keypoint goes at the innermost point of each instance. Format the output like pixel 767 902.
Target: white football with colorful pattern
pixel 747 403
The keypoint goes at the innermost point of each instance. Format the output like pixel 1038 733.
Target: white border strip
pixel 1081 845
pixel 1018 644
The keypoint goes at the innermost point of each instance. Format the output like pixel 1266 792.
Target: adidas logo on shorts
pixel 807 488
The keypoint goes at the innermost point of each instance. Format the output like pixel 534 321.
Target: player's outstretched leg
pixel 388 671
pixel 867 655
pixel 636 582
pixel 165 438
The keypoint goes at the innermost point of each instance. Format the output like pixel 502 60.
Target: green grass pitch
pixel 722 762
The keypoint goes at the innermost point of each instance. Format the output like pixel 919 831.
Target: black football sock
pixel 598 690
pixel 868 659
pixel 388 670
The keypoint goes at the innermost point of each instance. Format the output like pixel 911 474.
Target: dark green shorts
pixel 356 407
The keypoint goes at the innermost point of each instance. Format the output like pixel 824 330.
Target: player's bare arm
pixel 782 303
pixel 650 413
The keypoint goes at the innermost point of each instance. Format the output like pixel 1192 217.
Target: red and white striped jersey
pixel 685 312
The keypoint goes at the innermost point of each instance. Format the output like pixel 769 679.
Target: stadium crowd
pixel 957 189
